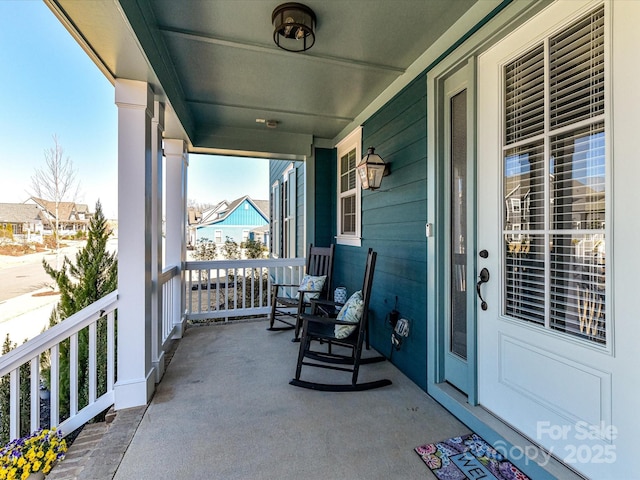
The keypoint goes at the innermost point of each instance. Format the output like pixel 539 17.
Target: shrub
pixel 230 249
pixel 254 249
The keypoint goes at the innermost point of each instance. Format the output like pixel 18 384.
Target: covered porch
pixel 205 80
pixel 219 412
pixel 224 409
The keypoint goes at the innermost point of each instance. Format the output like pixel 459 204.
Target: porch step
pixel 99 448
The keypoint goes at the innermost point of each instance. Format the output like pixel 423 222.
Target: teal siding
pixel 301 249
pixel 276 170
pixel 393 224
pixel 325 197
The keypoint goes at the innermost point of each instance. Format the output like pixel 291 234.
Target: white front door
pixel 548 359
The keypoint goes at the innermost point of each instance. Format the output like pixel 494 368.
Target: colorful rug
pixel 467 457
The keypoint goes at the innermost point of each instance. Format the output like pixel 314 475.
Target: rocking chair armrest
pixel 325 320
pixel 326 303
pixel 325 306
pixel 276 287
pixel 304 290
pixel 285 284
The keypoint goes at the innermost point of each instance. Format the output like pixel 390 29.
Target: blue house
pixel 235 222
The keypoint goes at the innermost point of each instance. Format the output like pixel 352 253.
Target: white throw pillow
pixel 312 283
pixel 351 312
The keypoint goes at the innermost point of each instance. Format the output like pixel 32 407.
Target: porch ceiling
pixel 216 63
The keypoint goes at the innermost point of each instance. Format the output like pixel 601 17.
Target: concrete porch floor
pixel 225 410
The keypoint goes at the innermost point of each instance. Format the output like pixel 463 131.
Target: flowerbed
pixel 37 452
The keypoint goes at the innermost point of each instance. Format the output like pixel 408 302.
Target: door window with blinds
pixel 349 151
pixel 554 178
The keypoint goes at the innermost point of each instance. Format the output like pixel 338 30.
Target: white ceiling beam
pixel 270 110
pixel 254 47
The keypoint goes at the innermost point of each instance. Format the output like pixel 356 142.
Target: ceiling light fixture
pixel 293 27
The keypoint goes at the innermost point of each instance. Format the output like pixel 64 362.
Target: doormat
pixel 467 457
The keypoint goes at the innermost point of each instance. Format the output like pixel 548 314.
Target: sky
pixel 49 86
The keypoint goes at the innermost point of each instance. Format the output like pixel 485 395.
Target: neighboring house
pixel 197 217
pixel 233 220
pixel 72 217
pixel 24 220
pixel 261 234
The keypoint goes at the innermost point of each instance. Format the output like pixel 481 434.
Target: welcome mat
pixel 468 457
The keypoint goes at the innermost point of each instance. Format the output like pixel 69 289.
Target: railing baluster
pixel 190 290
pixel 93 371
pixel 244 288
pixel 217 306
pixel 35 393
pixel 14 403
pixel 73 375
pixel 226 290
pixel 200 291
pixel 54 399
pixel 111 343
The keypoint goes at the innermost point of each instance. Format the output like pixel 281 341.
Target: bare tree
pixel 55 182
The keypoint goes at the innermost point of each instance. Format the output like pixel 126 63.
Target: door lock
pixel 484 278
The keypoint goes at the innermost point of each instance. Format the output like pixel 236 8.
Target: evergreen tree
pixel 24 395
pixel 93 275
pixel 5 390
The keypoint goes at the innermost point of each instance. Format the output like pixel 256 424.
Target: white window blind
pixel 348 193
pixel 554 182
pixel 576 71
pixel 524 96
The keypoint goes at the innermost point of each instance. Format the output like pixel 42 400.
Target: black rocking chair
pixel 288 310
pixel 322 329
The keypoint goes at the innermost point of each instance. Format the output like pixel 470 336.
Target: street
pixel 26 298
pixel 24 278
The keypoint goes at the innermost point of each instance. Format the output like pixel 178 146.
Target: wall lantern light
pixel 293 27
pixel 371 170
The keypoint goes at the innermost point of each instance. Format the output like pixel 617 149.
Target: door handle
pixel 484 278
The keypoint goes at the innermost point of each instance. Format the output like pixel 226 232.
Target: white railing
pixel 27 359
pixel 169 282
pixel 167 321
pixel 236 288
pixel 212 290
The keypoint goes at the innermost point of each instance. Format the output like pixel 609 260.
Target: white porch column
pixel 177 162
pixel 135 372
pixel 157 255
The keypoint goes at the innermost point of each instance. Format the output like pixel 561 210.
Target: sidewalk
pixel 25 316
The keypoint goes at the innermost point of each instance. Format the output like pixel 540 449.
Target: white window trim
pixel 289 223
pixel 354 139
pixel 275 219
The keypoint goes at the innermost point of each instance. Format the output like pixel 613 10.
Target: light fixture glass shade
pixel 371 169
pixel 293 27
